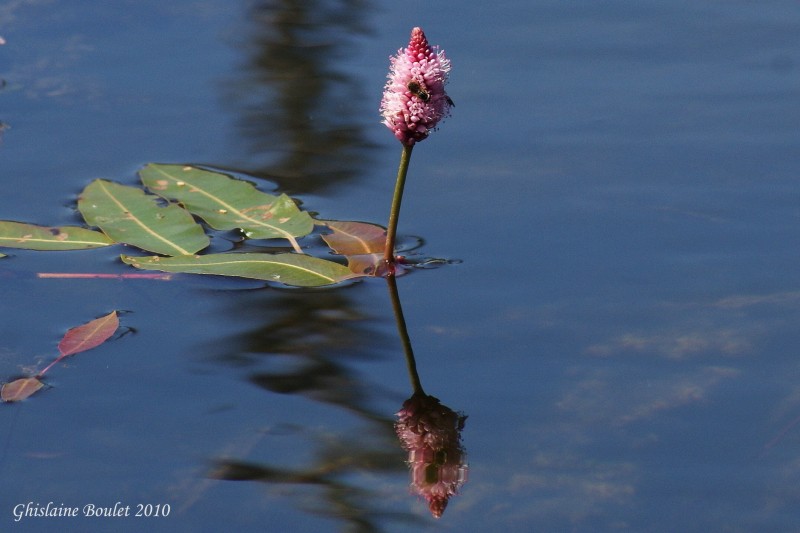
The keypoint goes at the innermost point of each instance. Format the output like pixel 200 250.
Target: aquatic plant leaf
pixel 354 238
pixel 33 237
pixel 362 243
pixel 89 335
pixel 19 389
pixel 228 203
pixel 366 264
pixel 76 340
pixel 298 270
pixel 128 215
pixel 85 337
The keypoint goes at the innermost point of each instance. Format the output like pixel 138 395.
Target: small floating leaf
pixel 85 337
pixel 19 389
pixel 32 237
pixel 76 340
pixel 227 203
pixel 354 238
pixel 290 269
pixel 127 214
pixel 89 335
pixel 362 243
pixel 366 264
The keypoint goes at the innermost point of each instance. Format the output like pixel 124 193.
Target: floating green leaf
pixel 32 237
pixel 127 214
pixel 290 269
pixel 228 203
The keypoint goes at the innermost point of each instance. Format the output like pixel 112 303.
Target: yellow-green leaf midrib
pixel 141 224
pixel 225 205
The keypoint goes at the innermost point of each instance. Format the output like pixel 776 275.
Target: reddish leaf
pixel 366 264
pixel 19 389
pixel 78 339
pixel 89 335
pixel 354 238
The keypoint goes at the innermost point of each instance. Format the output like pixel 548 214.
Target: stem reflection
pixel 429 431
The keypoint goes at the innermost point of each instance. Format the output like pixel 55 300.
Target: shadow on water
pixel 299 107
pixel 319 333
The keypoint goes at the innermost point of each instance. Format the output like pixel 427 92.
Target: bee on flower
pixel 414 102
pixel 414 98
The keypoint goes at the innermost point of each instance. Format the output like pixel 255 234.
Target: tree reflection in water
pixel 302 114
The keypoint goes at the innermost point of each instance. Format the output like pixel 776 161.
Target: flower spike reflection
pixel 429 431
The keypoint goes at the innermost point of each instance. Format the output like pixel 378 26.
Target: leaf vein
pixel 140 223
pixel 229 207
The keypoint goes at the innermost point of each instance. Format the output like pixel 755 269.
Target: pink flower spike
pixel 414 99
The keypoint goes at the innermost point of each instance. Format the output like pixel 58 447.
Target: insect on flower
pixel 414 98
pixel 416 89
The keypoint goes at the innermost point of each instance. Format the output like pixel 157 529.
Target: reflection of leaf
pixel 89 335
pixel 354 238
pixel 227 203
pixel 19 389
pixel 290 269
pixel 127 214
pixel 32 237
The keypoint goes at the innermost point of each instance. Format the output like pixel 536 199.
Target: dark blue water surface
pixel 619 181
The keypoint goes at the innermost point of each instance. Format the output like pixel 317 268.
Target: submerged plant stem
pixel 394 214
pixel 90 275
pixel 404 338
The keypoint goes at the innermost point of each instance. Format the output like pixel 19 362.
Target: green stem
pixel 394 214
pixel 404 338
